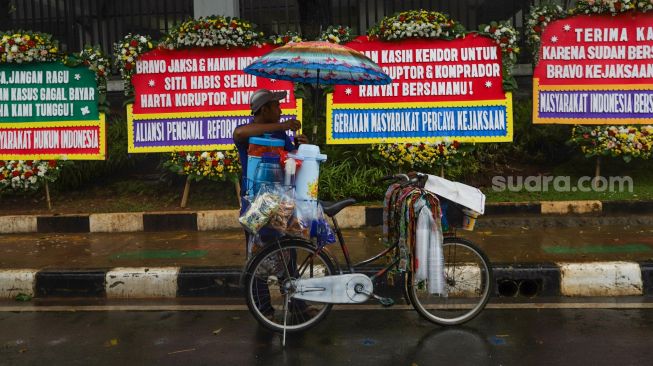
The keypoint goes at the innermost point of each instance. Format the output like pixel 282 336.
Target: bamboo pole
pixel 47 196
pixel 184 197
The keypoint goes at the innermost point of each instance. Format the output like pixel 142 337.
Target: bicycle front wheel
pixel 468 281
pixel 269 285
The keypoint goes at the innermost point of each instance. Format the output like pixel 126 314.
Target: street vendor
pixel 267 113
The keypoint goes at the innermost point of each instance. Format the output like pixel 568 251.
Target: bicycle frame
pixel 352 267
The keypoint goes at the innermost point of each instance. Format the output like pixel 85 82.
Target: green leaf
pixel 22 297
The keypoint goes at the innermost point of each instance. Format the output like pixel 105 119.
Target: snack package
pixel 265 205
pixel 282 217
pixel 304 215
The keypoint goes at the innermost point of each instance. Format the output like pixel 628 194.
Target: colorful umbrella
pixel 318 63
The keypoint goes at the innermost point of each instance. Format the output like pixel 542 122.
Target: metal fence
pixel 76 23
pixel 281 16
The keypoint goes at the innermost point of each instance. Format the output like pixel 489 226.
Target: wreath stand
pixel 184 196
pixel 47 196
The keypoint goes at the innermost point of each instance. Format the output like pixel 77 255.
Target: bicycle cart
pixel 291 284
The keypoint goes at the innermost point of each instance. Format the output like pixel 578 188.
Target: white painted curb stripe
pixel 351 217
pixel 570 207
pixel 142 282
pixel 18 224
pixel 600 279
pixel 217 220
pixel 16 281
pixel 116 222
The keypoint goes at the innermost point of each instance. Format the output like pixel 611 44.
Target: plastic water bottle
pixel 268 171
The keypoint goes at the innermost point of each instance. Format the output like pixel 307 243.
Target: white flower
pixel 14 48
pixel 142 39
pixel 220 155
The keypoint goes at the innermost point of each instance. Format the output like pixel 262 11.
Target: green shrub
pixel 118 161
pixel 350 172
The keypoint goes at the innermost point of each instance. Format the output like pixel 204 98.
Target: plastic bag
pixel 320 228
pixel 303 216
pixel 266 203
pixel 280 219
pixel 254 243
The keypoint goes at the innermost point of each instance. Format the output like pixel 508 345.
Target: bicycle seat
pixel 332 208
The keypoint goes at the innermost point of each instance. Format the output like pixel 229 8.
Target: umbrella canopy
pixel 318 63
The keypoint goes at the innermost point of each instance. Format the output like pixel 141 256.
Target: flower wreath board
pixel 49 102
pixel 51 109
pixel 595 63
pixel 594 66
pixel 447 83
pixel 190 92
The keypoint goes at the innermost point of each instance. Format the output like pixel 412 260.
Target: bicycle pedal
pixel 386 301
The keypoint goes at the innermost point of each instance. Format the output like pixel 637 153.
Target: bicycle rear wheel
pixel 268 285
pixel 468 281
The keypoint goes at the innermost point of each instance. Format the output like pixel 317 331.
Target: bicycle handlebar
pixel 415 178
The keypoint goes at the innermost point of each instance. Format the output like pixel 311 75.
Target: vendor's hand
pixel 301 139
pixel 292 124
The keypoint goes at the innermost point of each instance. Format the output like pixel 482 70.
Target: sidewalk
pixel 532 261
pixel 351 217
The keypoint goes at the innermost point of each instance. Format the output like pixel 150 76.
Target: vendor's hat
pixel 263 96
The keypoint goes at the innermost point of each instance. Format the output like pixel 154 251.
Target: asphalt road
pixel 512 336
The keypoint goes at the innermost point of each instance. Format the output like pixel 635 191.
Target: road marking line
pixel 90 308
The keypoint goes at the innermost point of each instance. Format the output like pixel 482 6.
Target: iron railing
pixel 76 23
pixel 281 16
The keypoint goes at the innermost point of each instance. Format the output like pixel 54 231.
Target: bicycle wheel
pixel 468 280
pixel 268 285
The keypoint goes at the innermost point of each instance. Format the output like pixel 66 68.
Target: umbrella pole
pixel 316 107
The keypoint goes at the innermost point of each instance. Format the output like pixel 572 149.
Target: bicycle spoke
pixel 272 302
pixel 467 283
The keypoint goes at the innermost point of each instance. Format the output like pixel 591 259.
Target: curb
pixel 511 280
pixel 350 218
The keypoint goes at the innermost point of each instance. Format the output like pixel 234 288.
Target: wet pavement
pixel 226 248
pixel 346 337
